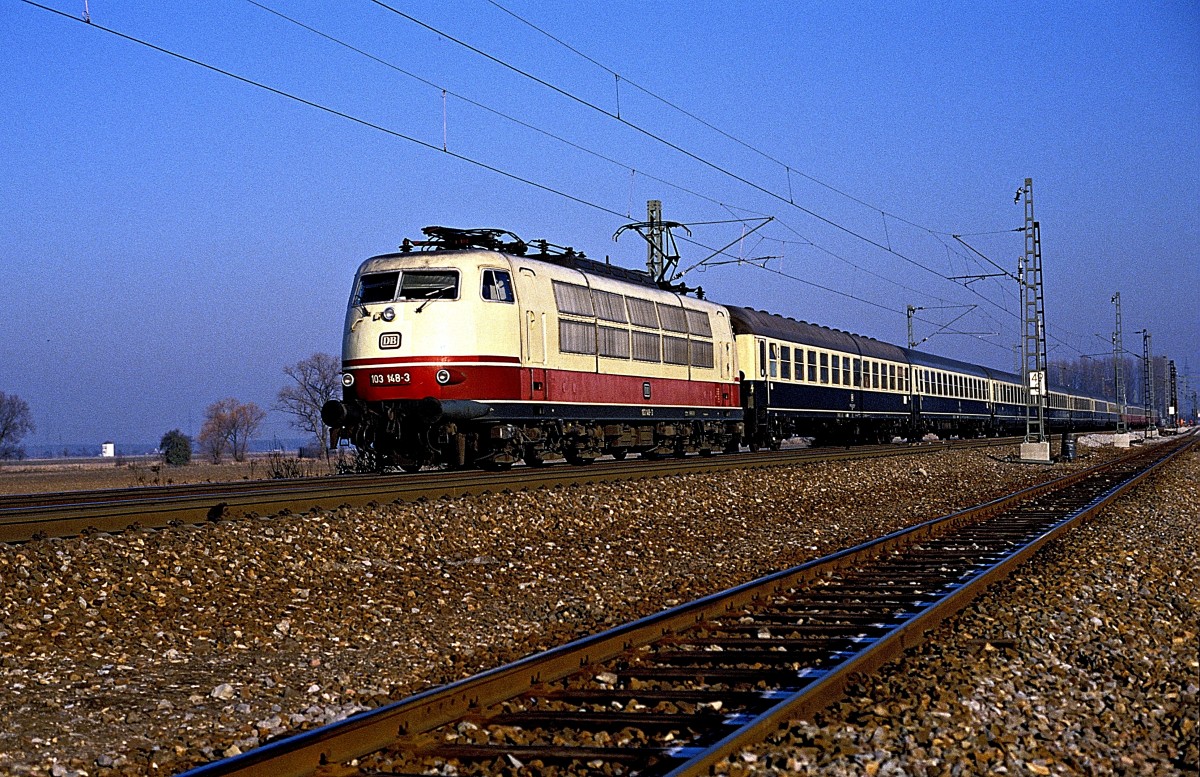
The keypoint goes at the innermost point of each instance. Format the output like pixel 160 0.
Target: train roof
pixel 450 239
pixel 760 322
pixel 922 359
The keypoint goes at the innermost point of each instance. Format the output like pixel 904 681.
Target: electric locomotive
pixel 473 348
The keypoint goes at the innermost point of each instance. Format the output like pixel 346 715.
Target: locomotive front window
pixel 376 287
pixel 428 284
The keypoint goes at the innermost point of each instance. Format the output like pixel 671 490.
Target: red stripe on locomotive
pixel 499 383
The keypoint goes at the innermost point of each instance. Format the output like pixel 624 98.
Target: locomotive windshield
pixel 413 284
pixel 376 287
pixel 428 284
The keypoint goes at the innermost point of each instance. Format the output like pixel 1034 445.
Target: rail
pixel 676 692
pixel 33 516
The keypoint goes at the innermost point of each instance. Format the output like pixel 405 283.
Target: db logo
pixel 389 340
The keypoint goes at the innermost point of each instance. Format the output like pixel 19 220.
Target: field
pixel 27 477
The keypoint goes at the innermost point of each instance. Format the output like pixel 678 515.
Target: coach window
pixel 799 364
pixel 812 366
pixel 874 374
pixel 846 370
pixel 907 381
pixel 891 377
pixel 774 363
pixel 837 370
pixel 497 286
pixel 762 358
pixel 825 368
pixel 785 362
pixel 858 372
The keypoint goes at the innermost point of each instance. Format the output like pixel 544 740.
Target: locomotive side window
pixel 698 324
pixel 609 306
pixel 702 354
pixel 647 346
pixel 614 342
pixel 376 287
pixel 573 299
pixel 642 313
pixel 675 350
pixel 785 362
pixel 576 337
pixel 673 318
pixel 497 286
pixel 428 284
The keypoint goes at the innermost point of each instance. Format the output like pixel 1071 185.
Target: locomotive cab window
pixel 497 286
pixel 376 287
pixel 428 284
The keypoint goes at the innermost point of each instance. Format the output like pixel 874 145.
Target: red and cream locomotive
pixel 473 348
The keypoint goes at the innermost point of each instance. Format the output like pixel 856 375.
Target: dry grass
pixel 30 477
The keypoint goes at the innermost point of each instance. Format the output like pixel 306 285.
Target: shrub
pixel 176 448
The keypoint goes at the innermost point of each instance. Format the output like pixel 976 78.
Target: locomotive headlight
pixel 389 314
pixel 347 379
pixel 442 377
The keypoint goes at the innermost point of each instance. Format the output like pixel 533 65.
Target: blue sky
pixel 170 236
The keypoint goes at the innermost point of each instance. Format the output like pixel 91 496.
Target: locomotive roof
pixel 450 239
pixel 760 322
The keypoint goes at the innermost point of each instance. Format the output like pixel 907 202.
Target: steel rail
pixel 31 516
pixel 725 645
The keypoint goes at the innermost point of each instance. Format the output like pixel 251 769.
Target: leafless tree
pixel 15 422
pixel 244 424
pixel 315 381
pixel 229 425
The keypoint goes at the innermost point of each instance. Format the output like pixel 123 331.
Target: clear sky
pixel 170 236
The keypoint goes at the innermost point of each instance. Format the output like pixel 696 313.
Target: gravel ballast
pixel 150 652
pixel 1085 662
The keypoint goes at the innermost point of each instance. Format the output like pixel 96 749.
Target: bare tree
pixel 15 422
pixel 245 421
pixel 229 425
pixel 315 381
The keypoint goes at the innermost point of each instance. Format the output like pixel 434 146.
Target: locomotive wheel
pixel 411 467
pixel 619 453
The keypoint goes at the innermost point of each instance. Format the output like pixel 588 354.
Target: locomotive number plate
pixel 390 378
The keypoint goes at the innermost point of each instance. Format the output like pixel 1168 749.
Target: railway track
pixel 32 516
pixel 676 692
